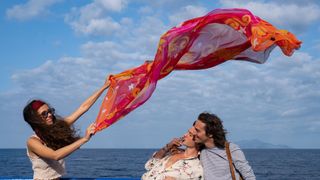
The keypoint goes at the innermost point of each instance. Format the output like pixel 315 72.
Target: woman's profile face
pixel 188 139
pixel 46 114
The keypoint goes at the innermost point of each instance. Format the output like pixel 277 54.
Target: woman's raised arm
pixel 85 106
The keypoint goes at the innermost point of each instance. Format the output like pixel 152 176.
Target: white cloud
pixel 112 55
pixel 58 77
pixel 104 26
pixel 93 19
pixel 112 5
pixel 31 9
pixel 286 15
pixel 137 43
pixel 169 5
pixel 186 13
pixel 146 34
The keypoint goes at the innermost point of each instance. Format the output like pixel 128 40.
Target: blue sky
pixel 61 51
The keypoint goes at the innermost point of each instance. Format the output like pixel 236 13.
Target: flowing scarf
pixel 199 43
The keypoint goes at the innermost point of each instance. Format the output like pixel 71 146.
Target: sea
pixel 268 164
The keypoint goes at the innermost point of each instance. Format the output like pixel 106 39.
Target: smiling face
pixel 46 114
pixel 199 132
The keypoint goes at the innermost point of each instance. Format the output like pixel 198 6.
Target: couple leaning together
pixel 205 155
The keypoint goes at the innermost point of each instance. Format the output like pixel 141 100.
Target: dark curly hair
pixel 56 135
pixel 214 128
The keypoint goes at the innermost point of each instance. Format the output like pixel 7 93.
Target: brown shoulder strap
pixel 230 160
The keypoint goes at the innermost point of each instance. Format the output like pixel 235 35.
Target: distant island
pixel 257 144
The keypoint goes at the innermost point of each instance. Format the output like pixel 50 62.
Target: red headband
pixel 37 104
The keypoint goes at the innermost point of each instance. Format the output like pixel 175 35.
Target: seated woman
pixel 171 163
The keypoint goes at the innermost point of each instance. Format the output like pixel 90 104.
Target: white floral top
pixel 183 169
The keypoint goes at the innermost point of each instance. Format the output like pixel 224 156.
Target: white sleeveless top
pixel 46 168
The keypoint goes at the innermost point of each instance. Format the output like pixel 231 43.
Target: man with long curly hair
pixel 208 129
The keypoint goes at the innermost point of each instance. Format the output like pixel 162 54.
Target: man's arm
pixel 241 164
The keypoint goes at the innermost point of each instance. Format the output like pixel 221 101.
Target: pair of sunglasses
pixel 44 114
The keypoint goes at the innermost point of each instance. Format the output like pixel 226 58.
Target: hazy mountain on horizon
pixel 257 144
